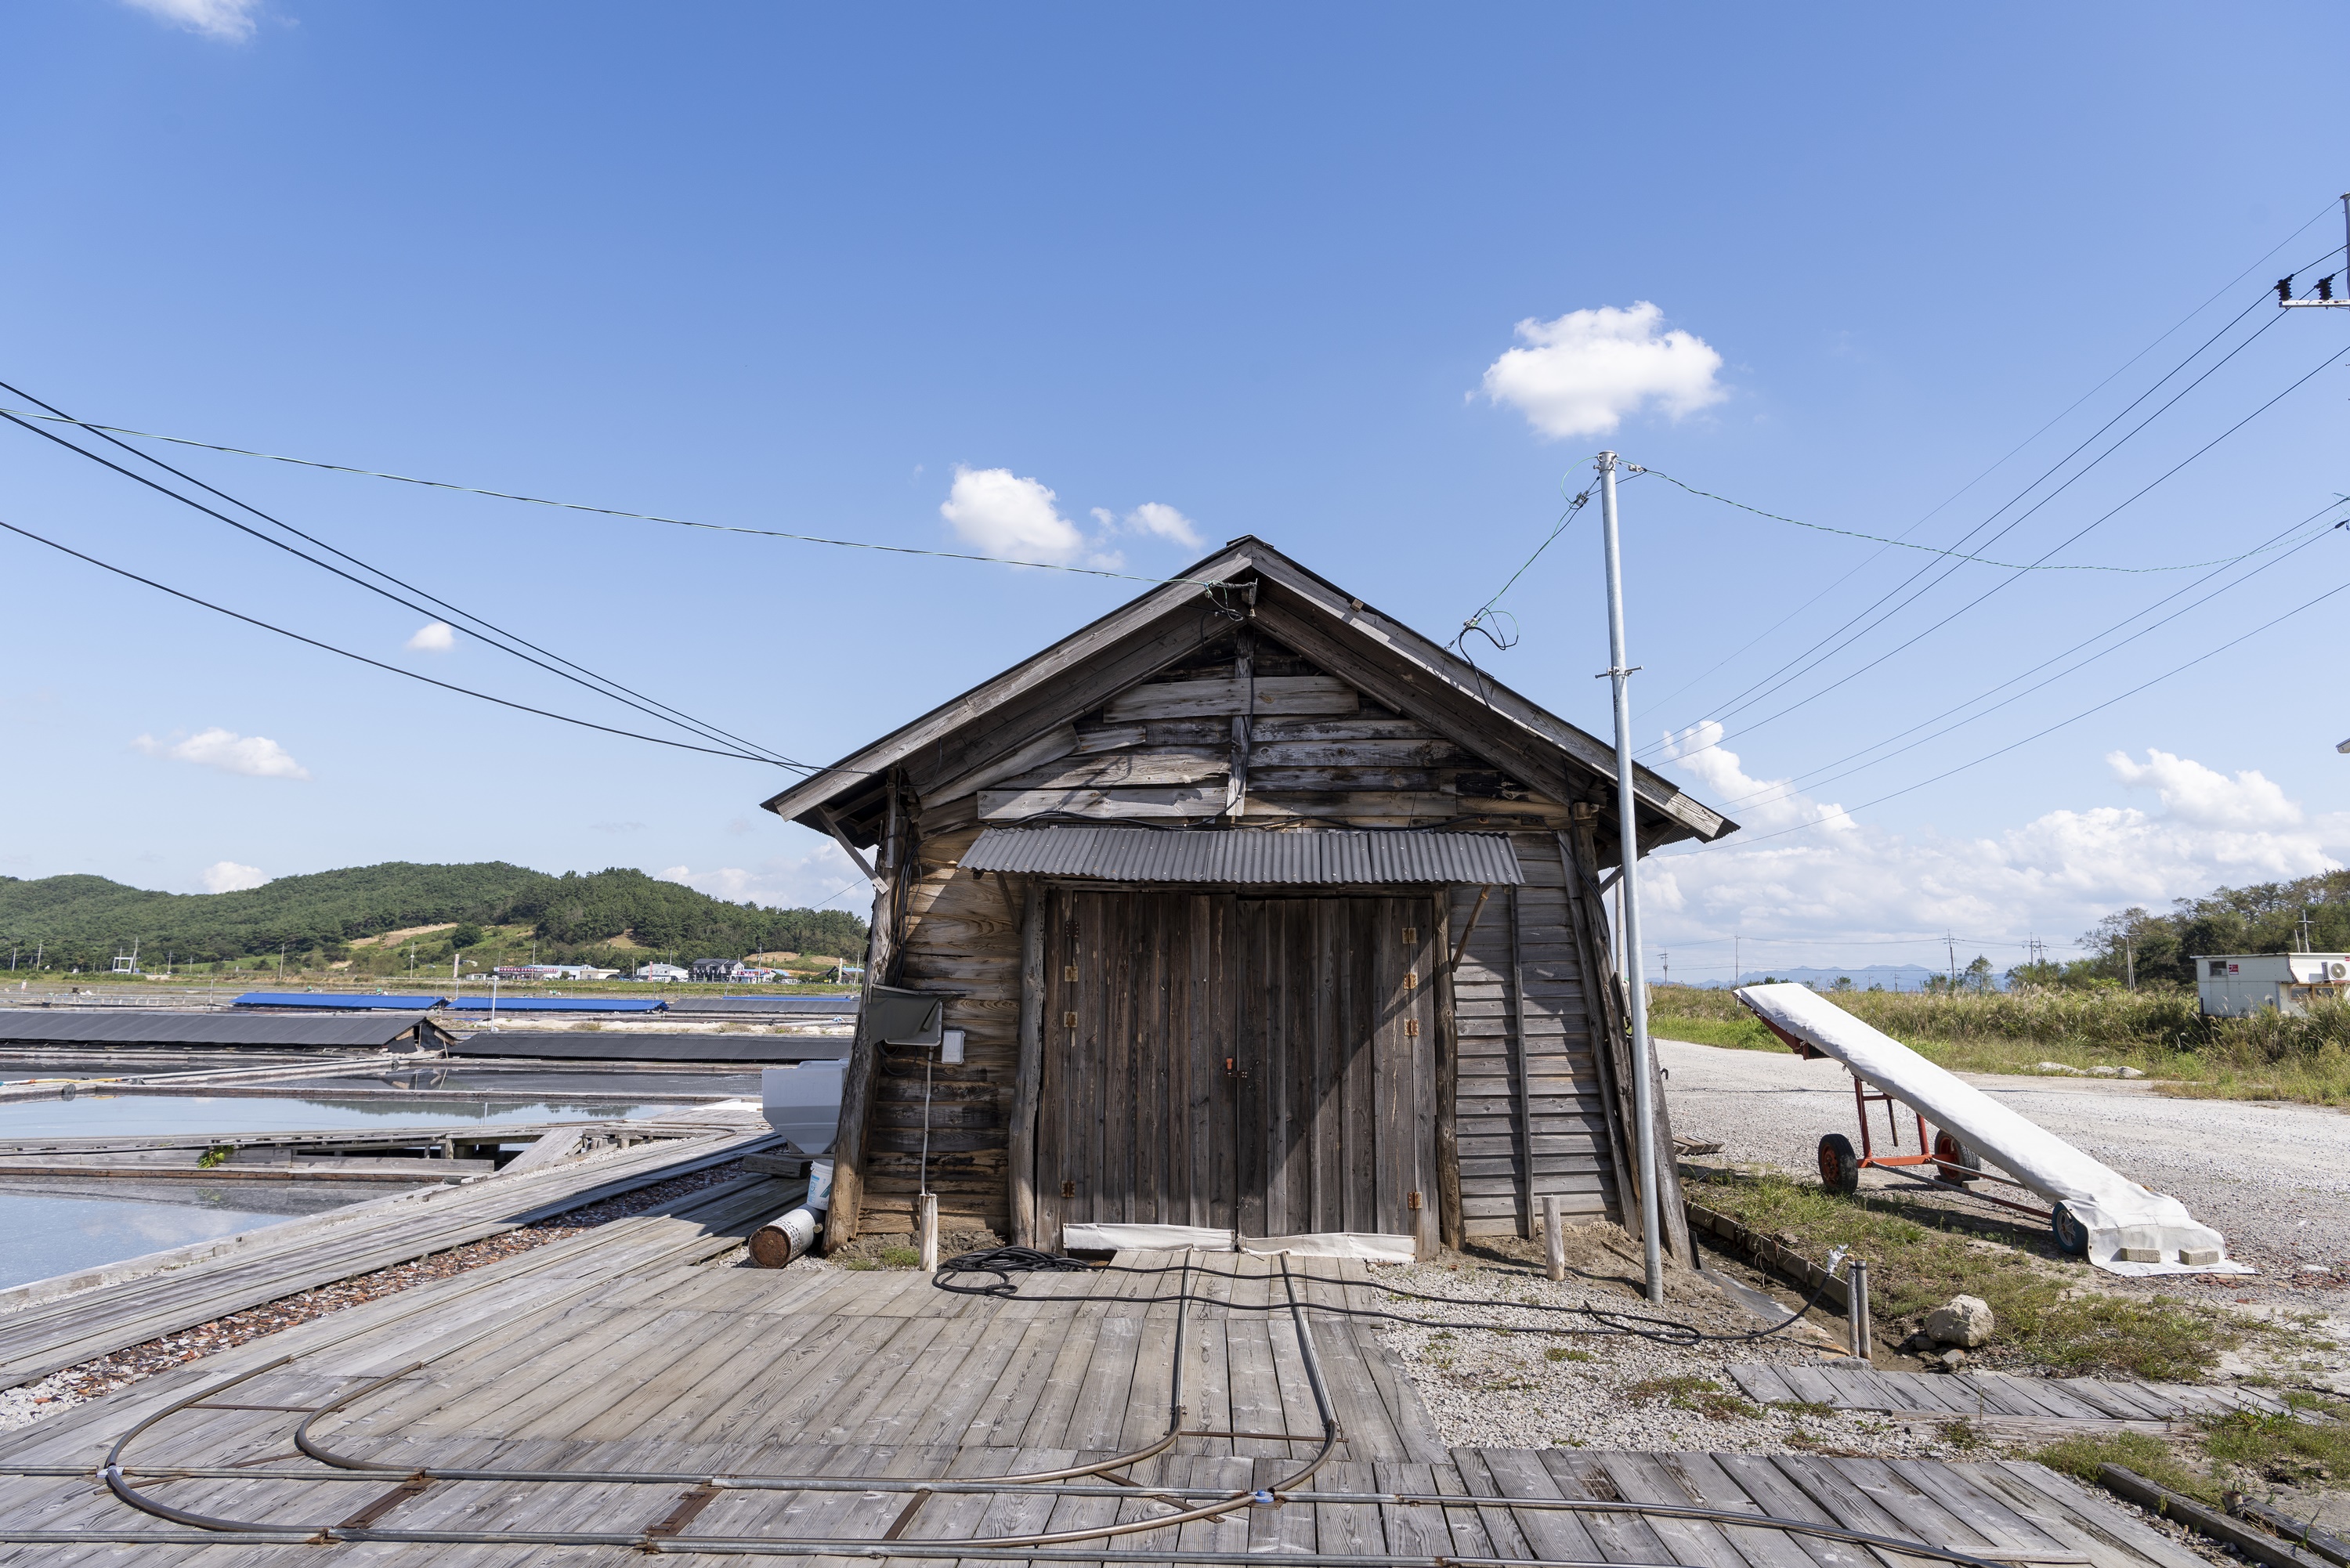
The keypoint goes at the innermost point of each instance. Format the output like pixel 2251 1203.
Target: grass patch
pixel 1703 1395
pixel 2160 1030
pixel 902 1257
pixel 2043 1318
pixel 2148 1455
pixel 2283 1450
pixel 1561 1353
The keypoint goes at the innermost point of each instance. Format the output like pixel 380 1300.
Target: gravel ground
pixel 62 1390
pixel 1611 1391
pixel 2274 1178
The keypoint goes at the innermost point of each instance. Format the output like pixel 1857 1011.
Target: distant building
pixel 718 969
pixel 665 971
pixel 2239 985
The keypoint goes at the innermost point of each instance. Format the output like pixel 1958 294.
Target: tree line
pixel 2161 948
pixel 82 922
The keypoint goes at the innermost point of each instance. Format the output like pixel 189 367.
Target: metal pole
pixel 1859 1329
pixel 1620 675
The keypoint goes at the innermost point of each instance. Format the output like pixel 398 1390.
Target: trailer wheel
pixel 1840 1166
pixel 1959 1163
pixel 2072 1236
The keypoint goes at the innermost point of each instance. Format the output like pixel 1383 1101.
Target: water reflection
pixel 47 1233
pixel 97 1114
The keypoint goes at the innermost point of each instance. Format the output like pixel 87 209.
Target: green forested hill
pixel 82 922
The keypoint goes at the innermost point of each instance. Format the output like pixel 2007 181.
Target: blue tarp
pixel 341 1003
pixel 562 1004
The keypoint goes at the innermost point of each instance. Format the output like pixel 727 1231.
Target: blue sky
pixel 795 268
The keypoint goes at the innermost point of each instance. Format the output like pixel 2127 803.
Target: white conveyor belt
pixel 2133 1229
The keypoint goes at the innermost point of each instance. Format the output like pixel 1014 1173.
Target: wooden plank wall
pixel 961 936
pixel 1530 1112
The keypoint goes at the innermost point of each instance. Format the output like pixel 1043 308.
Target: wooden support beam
pixel 1461 949
pixel 1029 1068
pixel 832 825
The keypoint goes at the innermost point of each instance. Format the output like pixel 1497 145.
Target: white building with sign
pixel 2240 985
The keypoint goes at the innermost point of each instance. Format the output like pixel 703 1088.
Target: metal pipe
pixel 1627 826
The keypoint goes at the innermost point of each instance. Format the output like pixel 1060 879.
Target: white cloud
pixel 1004 515
pixel 2053 876
pixel 1581 374
pixel 228 876
pixel 229 19
pixel 433 636
pixel 783 881
pixel 1158 518
pixel 256 756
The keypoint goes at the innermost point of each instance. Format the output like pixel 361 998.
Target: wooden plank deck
pixel 626 1355
pixel 2001 1402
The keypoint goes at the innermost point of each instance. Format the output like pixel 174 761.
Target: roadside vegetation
pixel 2240 1451
pixel 2049 1318
pixel 2155 1029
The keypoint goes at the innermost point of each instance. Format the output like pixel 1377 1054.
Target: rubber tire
pixel 2072 1236
pixel 1840 1166
pixel 1967 1163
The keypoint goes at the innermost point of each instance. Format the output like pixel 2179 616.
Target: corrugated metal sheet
pixel 365 1032
pixel 781 1003
pixel 333 1002
pixel 473 1004
pixel 1247 858
pixel 757 1048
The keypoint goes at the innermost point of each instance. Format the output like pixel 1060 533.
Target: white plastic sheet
pixel 2118 1212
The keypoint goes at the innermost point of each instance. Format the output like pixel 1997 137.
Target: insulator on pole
pixel 2326 286
pixel 2284 289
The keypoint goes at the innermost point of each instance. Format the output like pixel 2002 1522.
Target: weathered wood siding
pixel 960 938
pixel 1186 979
pixel 1230 1060
pixel 1532 1118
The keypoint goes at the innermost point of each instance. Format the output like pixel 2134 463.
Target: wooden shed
pixel 1260 913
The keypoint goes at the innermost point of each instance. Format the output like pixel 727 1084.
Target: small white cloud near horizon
pixel 1155 518
pixel 229 19
pixel 822 879
pixel 2053 877
pixel 1582 373
pixel 433 636
pixel 255 756
pixel 228 876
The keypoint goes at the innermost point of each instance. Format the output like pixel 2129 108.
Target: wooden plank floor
pixel 2037 1402
pixel 632 1357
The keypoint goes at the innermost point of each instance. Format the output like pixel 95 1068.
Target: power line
pixel 2004 459
pixel 596 683
pixel 2037 734
pixel 1789 671
pixel 2078 534
pixel 1813 778
pixel 618 512
pixel 374 663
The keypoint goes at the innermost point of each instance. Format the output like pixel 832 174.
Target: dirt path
pixel 2274 1179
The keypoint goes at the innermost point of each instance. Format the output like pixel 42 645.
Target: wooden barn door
pixel 1258 1063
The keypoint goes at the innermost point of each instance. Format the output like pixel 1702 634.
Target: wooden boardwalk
pixel 2001 1402
pixel 626 1353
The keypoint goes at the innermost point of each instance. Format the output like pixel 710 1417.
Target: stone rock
pixel 1919 1342
pixel 2105 1072
pixel 1950 1360
pixel 2058 1067
pixel 2132 1072
pixel 1964 1321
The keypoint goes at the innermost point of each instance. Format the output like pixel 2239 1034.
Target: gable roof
pixel 989 724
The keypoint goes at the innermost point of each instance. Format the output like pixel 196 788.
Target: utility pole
pixel 1737 970
pixel 2305 930
pixel 2322 298
pixel 1619 676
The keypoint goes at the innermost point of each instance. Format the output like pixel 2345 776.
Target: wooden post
pixel 1028 1072
pixel 926 1218
pixel 1522 1079
pixel 1553 1239
pixel 857 1088
pixel 1448 1098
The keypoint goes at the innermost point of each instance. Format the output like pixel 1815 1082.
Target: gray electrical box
pixel 906 1017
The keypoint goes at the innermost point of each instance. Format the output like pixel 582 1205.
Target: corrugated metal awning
pixel 1248 858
